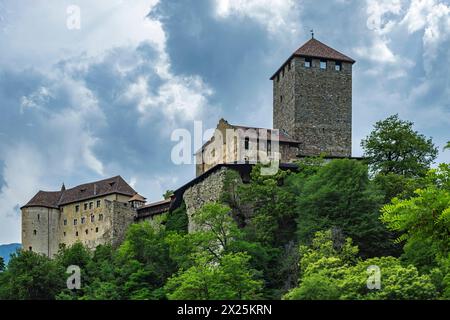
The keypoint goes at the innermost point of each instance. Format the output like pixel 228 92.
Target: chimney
pixel 95 189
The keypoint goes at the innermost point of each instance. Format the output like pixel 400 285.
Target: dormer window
pixel 323 64
pixel 307 63
pixel 338 66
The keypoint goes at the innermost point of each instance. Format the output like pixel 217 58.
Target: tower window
pixel 338 66
pixel 307 63
pixel 323 64
pixel 281 98
pixel 65 222
pixel 76 234
pixel 91 205
pixel 39 217
pixel 85 206
pixel 96 229
pixel 246 143
pixel 87 231
pixel 34 232
pixel 83 220
pixel 92 218
pixel 99 203
pixel 30 248
pixel 75 222
pixel 64 233
pixel 77 208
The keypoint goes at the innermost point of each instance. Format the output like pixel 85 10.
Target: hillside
pixel 7 249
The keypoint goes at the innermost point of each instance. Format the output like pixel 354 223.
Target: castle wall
pixel 40 230
pixel 208 190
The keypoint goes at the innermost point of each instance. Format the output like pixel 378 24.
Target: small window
pixel 83 220
pixel 75 222
pixel 92 218
pixel 338 66
pixel 34 232
pixel 87 231
pixel 85 206
pixel 39 217
pixel 77 208
pixel 96 229
pixel 91 205
pixel 99 202
pixel 323 64
pixel 65 222
pixel 64 233
pixel 30 248
pixel 100 217
pixel 281 99
pixel 269 146
pixel 76 234
pixel 308 63
pixel 213 153
pixel 246 143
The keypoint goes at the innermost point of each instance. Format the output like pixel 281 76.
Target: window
pixel 87 231
pixel 213 153
pixel 34 232
pixel 281 98
pixel 278 77
pixel 323 64
pixel 91 205
pixel 76 234
pixel 99 202
pixel 338 66
pixel 269 146
pixel 307 63
pixel 92 218
pixel 30 248
pixel 83 220
pixel 96 229
pixel 39 217
pixel 75 222
pixel 246 143
pixel 100 217
pixel 85 206
pixel 77 208
pixel 65 222
pixel 64 233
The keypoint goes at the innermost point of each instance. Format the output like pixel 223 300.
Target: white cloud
pixel 278 16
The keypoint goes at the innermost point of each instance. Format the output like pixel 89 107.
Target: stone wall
pixel 40 230
pixel 314 106
pixel 122 216
pixel 208 190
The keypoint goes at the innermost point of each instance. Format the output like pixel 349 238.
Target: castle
pixel 312 110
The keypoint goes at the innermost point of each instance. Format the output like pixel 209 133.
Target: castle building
pixel 94 213
pixel 312 116
pixel 312 110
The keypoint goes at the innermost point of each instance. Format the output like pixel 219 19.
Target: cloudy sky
pixel 78 105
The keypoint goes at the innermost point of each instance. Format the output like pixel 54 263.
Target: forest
pixel 343 229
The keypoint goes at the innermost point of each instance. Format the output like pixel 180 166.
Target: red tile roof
pixel 316 49
pixel 82 192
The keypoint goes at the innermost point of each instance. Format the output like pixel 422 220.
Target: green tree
pixel 424 219
pixel 394 147
pixel 2 264
pixel 230 279
pixel 330 269
pixel 340 195
pixel 31 276
pixel 447 146
pixel 177 220
pixel 168 194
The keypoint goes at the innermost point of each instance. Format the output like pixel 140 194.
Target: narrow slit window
pixel 247 143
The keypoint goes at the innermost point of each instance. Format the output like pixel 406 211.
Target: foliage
pixel 394 147
pixel 168 194
pixel 177 220
pixel 340 195
pixel 2 264
pixel 31 276
pixel 425 217
pixel 333 271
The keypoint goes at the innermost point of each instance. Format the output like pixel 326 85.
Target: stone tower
pixel 312 100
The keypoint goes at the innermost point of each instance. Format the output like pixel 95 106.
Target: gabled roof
pixel 137 197
pixel 82 192
pixel 316 49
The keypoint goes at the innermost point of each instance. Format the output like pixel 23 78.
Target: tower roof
pixel 316 49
